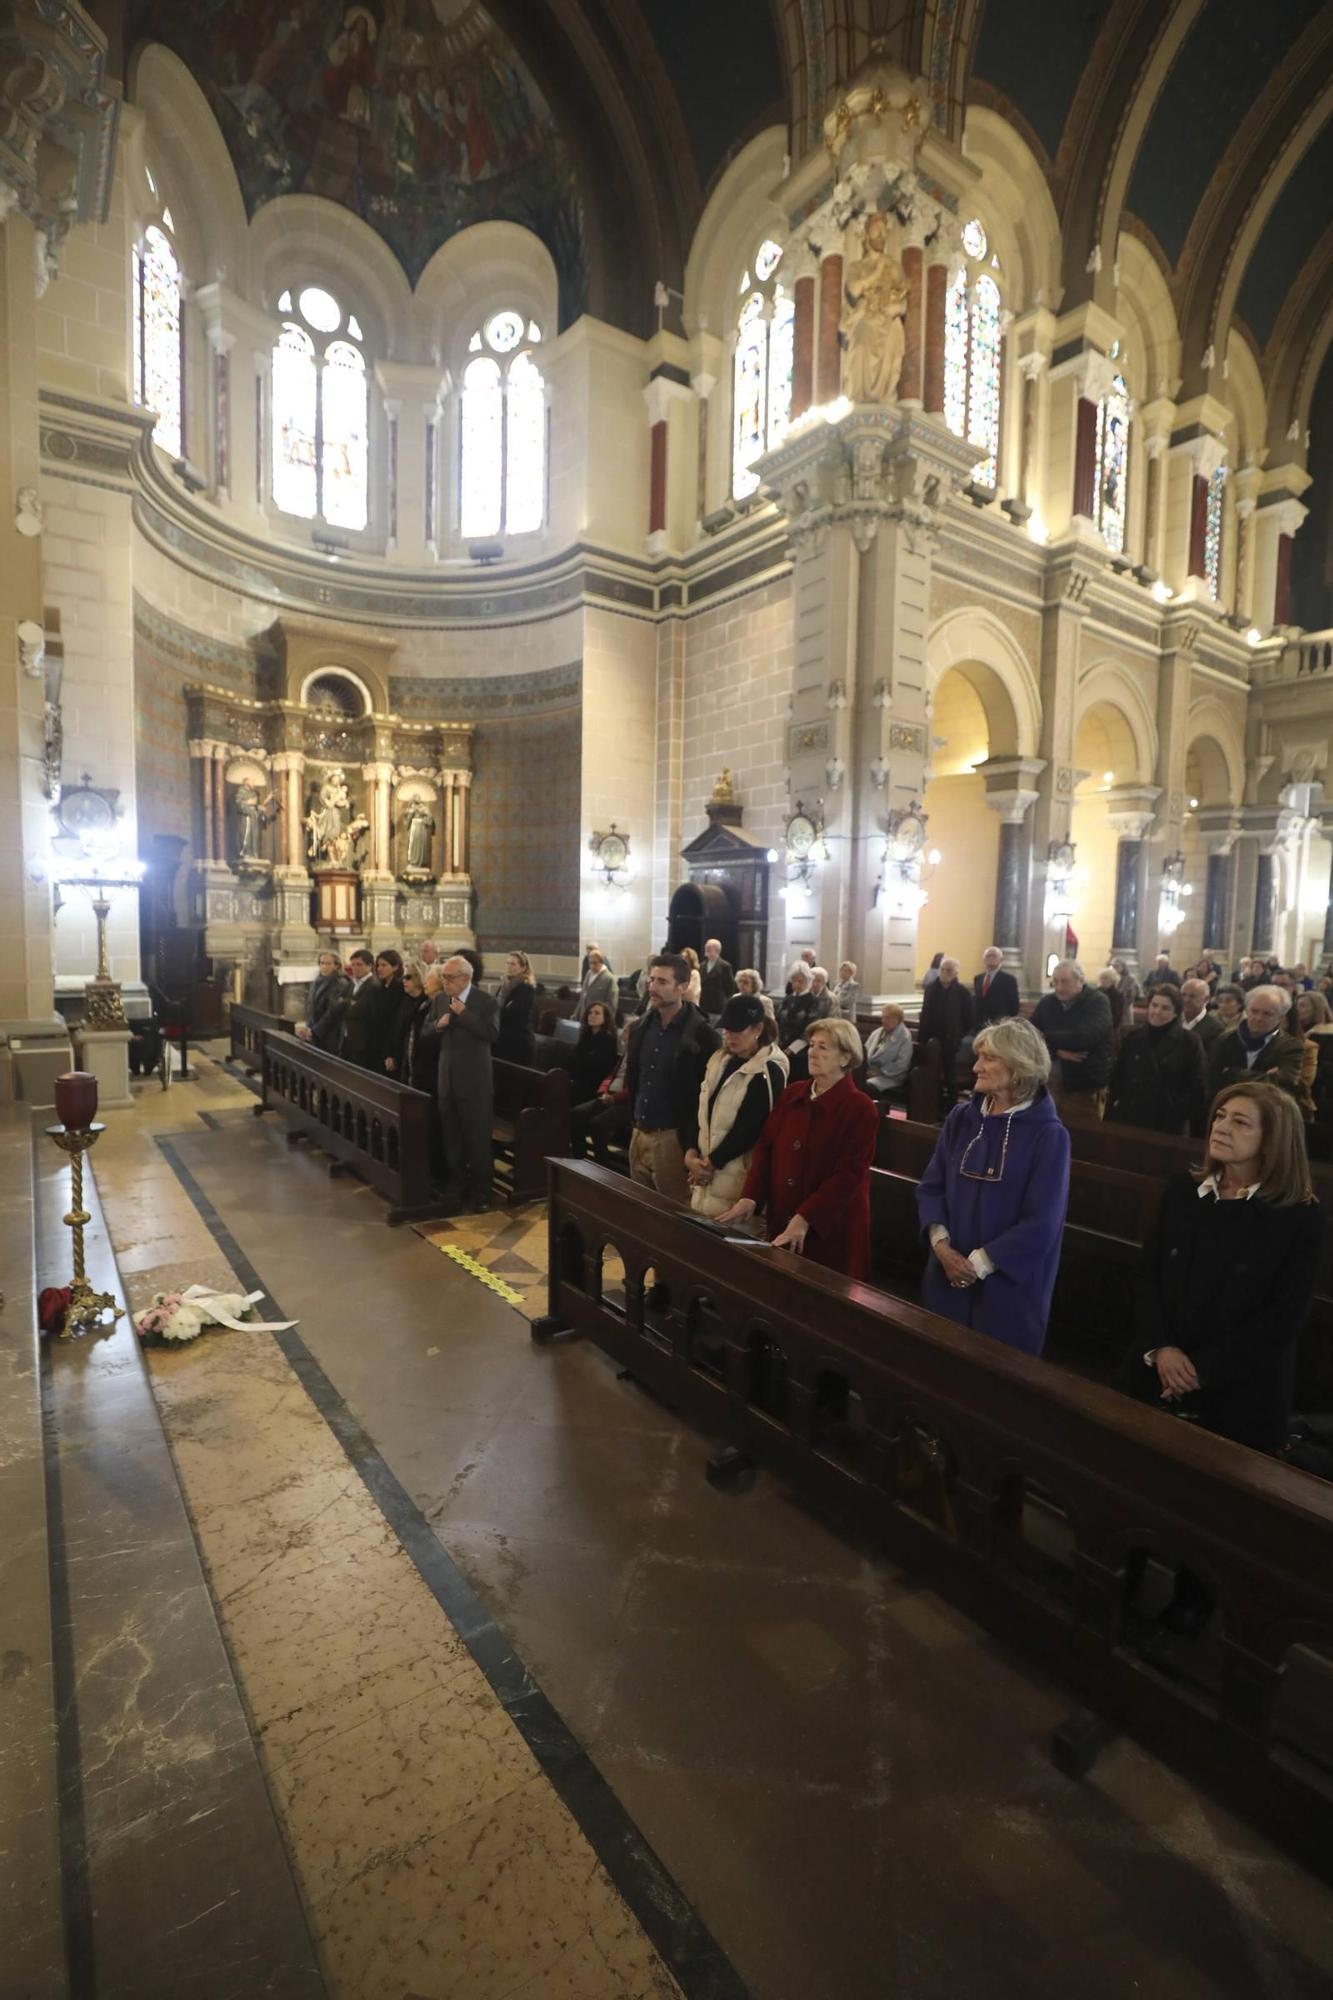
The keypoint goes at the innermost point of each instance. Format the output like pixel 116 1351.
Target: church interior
pixel 847 478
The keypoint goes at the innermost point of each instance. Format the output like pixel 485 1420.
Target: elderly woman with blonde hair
pixel 992 1201
pixel 811 1169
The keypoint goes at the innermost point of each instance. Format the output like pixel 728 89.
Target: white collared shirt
pixel 1211 1185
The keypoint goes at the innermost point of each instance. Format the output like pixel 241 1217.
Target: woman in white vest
pixel 743 1081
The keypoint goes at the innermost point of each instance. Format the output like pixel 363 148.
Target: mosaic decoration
pixel 157 337
pixel 972 367
pixel 1212 540
pixel 416 114
pixel 761 371
pixel 1112 463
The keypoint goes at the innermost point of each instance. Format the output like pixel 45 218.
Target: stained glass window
pixel 157 337
pixel 295 421
pixel 344 455
pixel 761 368
pixel 1212 540
pixel 972 337
pixel 320 413
pixel 1112 464
pixel 502 431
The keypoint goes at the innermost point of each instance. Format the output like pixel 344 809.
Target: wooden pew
pixel 1110 1214
pixel 956 1456
pixel 530 1121
pixel 367 1124
pixel 247 1027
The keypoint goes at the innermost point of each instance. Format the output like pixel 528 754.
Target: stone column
pixel 447 848
pixel 1030 368
pixel 1217 903
pixel 378 779
pixel 1244 485
pixel 861 498
pixel 1077 384
pixel 411 399
pixel 665 397
pixel 221 752
pixel 1011 791
pixel 1132 809
pixel 241 339
pixel 1277 518
pixel 201 776
pixel 464 787
pixel 1068 576
pixel 932 371
pixel 703 385
pixel 911 382
pixel 1198 558
pixel 803 344
pixel 828 362
pixel 1196 450
pixel 1328 912
pixel 1265 908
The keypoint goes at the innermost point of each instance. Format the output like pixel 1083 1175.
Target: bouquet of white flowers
pixel 180 1316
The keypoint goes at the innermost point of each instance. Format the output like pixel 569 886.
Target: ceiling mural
pixel 416 114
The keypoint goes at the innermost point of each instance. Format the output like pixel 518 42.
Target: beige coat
pixel 715 1123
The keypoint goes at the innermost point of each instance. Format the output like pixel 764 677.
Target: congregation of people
pixel 761 1112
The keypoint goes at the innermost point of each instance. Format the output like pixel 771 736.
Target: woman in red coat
pixel 811 1169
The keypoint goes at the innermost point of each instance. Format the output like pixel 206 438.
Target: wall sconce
pixel 902 877
pixel 610 852
pixel 835 771
pixel 837 695
pixel 879 773
pixel 1175 888
pixel 1060 858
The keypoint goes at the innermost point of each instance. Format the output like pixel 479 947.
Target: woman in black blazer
pixel 1229 1271
pixel 1158 1077
pixel 516 1042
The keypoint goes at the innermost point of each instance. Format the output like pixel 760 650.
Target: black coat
pixel 324 1011
pixel 369 1024
pixel 717 983
pixel 697 1042
pixel 418 1052
pixel 1157 1081
pixel 1280 1060
pixel 592 1061
pixel 1000 1004
pixel 516 1042
pixel 1084 1024
pixel 1230 1283
pixel 946 1013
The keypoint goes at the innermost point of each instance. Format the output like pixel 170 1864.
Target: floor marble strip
pixel 697 1962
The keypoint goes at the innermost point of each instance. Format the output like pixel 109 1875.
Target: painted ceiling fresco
pixel 417 114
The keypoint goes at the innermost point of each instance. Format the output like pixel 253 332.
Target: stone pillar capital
pixel 1131 809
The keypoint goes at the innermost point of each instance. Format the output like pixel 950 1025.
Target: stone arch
pixel 185 147
pixel 741 210
pixel 303 239
pixel 1210 723
pixel 1149 317
pixel 991 659
pixel 474 274
pixel 1017 209
pixel 1111 684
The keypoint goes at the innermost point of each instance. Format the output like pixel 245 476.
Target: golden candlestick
pixel 87 1308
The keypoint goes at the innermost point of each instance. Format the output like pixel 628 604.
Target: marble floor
pixel 449 1563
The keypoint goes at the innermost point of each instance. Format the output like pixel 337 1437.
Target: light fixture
pixel 1194 805
pixel 1108 777
pixel 1162 592
pixel 1254 637
pixel 1038 532
pixel 1060 872
pixel 1174 887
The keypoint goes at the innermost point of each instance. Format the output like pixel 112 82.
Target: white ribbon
pixel 225 1308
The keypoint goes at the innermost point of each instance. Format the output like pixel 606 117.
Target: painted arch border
pixel 970 636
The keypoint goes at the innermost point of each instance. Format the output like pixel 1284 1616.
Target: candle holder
pixel 87 1308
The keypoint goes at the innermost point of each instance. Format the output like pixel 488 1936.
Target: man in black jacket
pixel 668 1053
pixel 1075 1022
pixel 994 991
pixel 361 1014
pixel 323 1022
pixel 717 981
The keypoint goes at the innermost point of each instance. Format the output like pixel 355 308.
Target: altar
pixel 320 815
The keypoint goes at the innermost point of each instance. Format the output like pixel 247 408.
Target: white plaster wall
pixel 619 757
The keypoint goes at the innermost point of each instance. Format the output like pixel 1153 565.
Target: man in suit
pixel 1162 974
pixel 717 981
pixel 994 991
pixel 467 1022
pixel 1259 1046
pixel 361 1012
pixel 599 984
pixel 1195 1016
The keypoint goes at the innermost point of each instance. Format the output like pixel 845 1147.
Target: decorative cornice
pixel 58 123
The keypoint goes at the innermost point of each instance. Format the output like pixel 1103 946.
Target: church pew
pixel 952 1454
pixel 367 1124
pixel 1110 1214
pixel 530 1121
pixel 247 1027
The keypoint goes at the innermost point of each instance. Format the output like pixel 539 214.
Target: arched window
pixel 972 335
pixel 502 431
pixel 761 370
pixel 157 337
pixel 1212 536
pixel 321 431
pixel 1112 464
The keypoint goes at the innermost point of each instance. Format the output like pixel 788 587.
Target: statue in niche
pixel 332 829
pixel 872 321
pixel 420 824
pixel 251 813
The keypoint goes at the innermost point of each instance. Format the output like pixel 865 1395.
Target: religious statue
pixel 332 829
pixel 420 826
pixel 872 323
pixel 722 792
pixel 251 812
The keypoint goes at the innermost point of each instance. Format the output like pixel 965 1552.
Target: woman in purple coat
pixel 992 1201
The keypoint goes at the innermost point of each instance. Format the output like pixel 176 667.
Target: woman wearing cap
pixel 811 1169
pixel 992 1201
pixel 743 1081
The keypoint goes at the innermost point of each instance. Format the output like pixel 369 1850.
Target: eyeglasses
pixel 993 1174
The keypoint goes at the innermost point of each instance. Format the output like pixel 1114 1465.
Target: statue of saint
pixel 872 322
pixel 420 832
pixel 722 792
pixel 250 812
pixel 332 830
